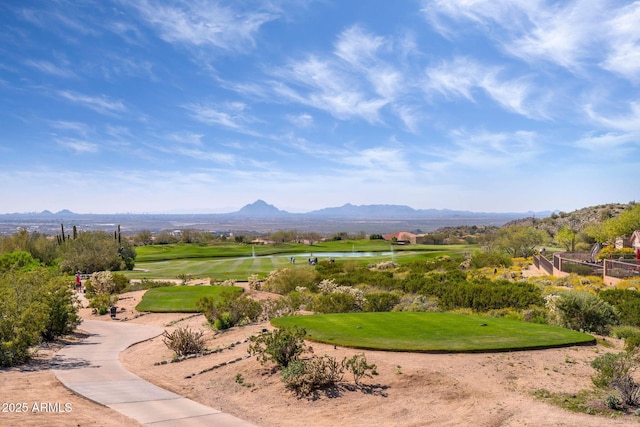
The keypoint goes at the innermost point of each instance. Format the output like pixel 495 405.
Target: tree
pixel 566 238
pixel 96 251
pixel 35 303
pixel 143 238
pixel 520 241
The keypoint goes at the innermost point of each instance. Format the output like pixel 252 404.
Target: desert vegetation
pixel 485 279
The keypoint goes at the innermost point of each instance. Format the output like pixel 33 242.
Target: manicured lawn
pixel 234 261
pixel 431 332
pixel 180 299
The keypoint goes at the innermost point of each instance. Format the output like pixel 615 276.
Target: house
pixel 404 238
pixel 634 241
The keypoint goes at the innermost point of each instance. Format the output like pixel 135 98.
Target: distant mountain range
pixel 261 209
pixel 261 217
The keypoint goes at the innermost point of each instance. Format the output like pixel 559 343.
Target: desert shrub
pixel 581 311
pixel 616 371
pixel 120 282
pixel 254 282
pixel 305 376
pixel 632 342
pixel 630 334
pixel 334 303
pixel 357 365
pixel 18 260
pixel 63 316
pixel 536 315
pixel 481 259
pixel 380 301
pixel 102 302
pixel 230 309
pixel 507 313
pixel 280 346
pixel 34 304
pixel 284 280
pixel 286 305
pixel 624 331
pixel 184 341
pixel 143 285
pixel 626 302
pixel 481 294
pixel 101 282
pixel 418 303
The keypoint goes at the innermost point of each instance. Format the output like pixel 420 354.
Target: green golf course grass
pixel 180 299
pixel 431 332
pixel 235 262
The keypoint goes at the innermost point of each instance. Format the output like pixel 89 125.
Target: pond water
pixel 320 255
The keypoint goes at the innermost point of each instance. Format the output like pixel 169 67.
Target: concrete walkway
pixel 92 369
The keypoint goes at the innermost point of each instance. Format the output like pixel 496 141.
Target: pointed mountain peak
pixel 260 208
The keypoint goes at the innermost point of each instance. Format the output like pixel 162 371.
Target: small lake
pixel 337 254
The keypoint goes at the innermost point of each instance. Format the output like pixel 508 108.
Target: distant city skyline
pixel 204 107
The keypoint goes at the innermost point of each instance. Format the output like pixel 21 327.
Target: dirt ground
pixel 410 390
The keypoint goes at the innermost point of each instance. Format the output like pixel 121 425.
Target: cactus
pixel 62 228
pixel 75 233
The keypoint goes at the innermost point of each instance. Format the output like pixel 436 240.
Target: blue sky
pixel 205 106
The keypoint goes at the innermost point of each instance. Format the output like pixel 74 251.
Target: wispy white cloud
pixel 621 131
pixel 101 104
pixel 322 84
pixel 629 122
pixel 563 35
pixel 197 23
pixel 77 145
pixel 382 160
pixel 231 115
pixel 461 76
pixel 482 150
pixel 303 120
pixel 50 68
pixel 569 34
pixel 623 37
pixel 76 127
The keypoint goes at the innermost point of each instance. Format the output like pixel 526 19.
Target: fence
pixel 582 263
pixel 622 269
pixel 543 263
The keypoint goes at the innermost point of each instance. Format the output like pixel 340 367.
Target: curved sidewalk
pixel 92 369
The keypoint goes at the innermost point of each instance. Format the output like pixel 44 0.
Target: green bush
pixel 63 316
pixel 120 282
pixel 230 309
pixel 334 303
pixel 102 302
pixel 583 311
pixel 380 301
pixel 35 304
pixel 481 259
pixel 281 346
pixel 626 302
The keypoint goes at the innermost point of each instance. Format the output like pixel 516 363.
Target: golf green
pixel 180 299
pixel 431 332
